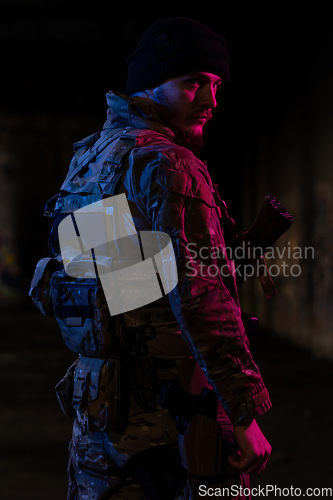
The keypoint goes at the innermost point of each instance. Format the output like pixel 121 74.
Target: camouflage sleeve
pixel 178 200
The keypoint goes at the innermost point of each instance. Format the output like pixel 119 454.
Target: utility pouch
pixel 83 315
pixel 101 387
pixel 143 381
pixel 201 447
pixel 64 391
pixel 40 285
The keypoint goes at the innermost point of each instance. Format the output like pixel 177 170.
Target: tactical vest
pixel 79 304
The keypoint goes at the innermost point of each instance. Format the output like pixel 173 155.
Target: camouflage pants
pixel 98 461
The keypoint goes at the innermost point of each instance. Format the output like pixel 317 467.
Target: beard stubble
pixel 183 137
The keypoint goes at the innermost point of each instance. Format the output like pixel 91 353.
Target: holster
pixel 201 447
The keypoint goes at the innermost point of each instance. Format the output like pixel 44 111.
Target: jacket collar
pixel 138 112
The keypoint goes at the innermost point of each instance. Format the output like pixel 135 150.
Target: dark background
pixel 61 58
pixel 58 60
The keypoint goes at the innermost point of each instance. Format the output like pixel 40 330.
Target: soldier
pixel 193 338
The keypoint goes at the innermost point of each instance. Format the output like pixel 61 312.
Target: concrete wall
pixel 295 165
pixel 35 152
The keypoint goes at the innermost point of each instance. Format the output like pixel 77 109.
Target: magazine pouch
pixel 83 315
pixel 64 391
pixel 101 389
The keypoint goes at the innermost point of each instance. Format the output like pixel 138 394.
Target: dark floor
pixel 35 433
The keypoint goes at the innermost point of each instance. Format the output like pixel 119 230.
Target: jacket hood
pixel 138 112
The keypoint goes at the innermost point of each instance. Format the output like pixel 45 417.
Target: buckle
pixel 80 385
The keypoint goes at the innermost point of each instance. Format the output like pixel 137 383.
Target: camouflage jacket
pixel 170 190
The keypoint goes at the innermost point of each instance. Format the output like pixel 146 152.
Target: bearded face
pixel 185 105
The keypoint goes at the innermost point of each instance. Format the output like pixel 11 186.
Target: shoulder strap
pixel 102 183
pixel 91 153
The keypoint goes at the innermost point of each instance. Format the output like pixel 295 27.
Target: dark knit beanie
pixel 172 47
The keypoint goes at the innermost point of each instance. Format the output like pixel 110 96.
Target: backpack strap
pixel 73 197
